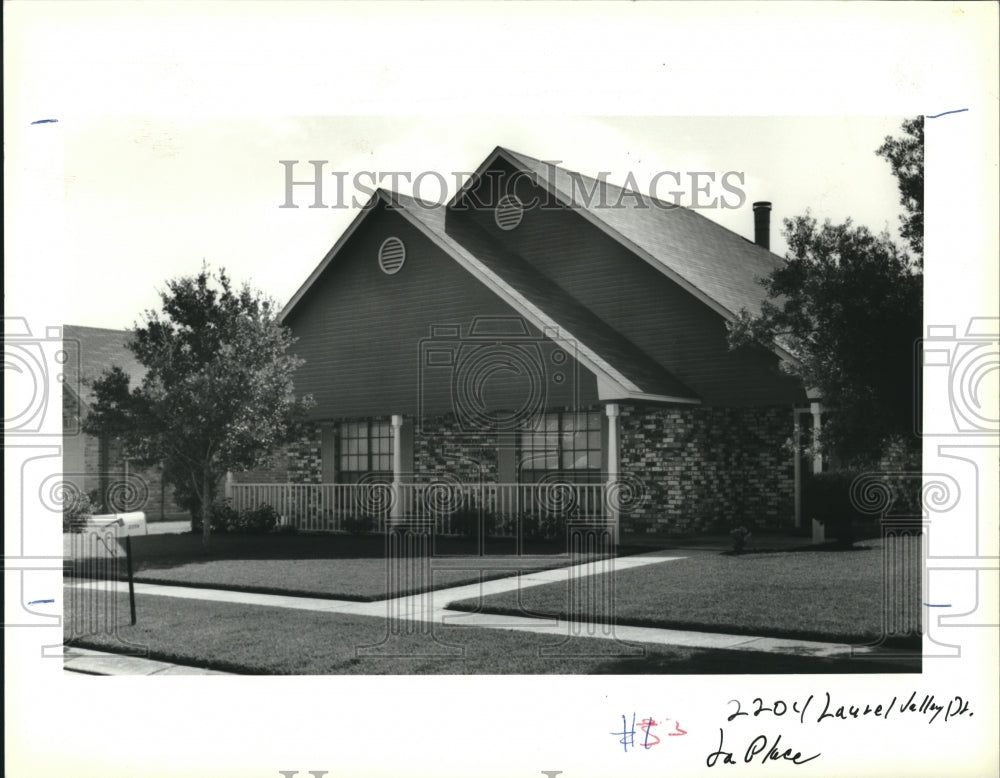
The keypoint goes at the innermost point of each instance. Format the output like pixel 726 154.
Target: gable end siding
pixel 360 330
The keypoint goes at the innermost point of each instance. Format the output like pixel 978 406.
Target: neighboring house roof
pixel 99 349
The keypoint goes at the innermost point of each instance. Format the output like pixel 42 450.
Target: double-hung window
pixel 364 447
pixel 567 443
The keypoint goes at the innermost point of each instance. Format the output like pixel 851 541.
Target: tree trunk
pixel 206 513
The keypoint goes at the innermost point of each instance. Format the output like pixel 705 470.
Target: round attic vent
pixel 391 255
pixel 509 212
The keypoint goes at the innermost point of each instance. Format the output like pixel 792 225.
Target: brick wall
pixel 439 446
pixel 304 459
pixel 707 469
pixel 701 469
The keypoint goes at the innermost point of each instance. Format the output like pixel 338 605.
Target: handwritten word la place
pixel 758 746
pixel 956 706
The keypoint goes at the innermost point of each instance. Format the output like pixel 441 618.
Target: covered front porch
pixel 438 501
pixel 448 501
pixel 638 469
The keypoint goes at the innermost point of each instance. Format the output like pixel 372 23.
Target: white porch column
pixel 611 409
pixel 816 409
pixel 818 530
pixel 396 511
pixel 797 466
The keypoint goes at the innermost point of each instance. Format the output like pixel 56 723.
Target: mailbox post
pixel 131 524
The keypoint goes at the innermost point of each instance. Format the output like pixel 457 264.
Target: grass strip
pixel 260 640
pixel 834 596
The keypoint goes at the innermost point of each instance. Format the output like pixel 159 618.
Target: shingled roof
pixel 99 349
pixel 717 265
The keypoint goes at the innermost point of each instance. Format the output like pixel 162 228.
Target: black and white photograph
pixel 366 396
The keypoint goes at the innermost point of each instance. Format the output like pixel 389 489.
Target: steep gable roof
pixel 625 370
pixel 548 306
pixel 715 264
pixel 99 350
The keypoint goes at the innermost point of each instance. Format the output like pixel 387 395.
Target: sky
pixel 148 198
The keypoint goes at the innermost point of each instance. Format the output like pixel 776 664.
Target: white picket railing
pixel 452 507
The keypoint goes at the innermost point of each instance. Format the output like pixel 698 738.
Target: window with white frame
pixel 567 442
pixel 364 447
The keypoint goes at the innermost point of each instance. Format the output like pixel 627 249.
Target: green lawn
pixel 820 595
pixel 343 567
pixel 265 640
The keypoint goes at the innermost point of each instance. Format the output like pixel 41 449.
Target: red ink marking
pixel 645 725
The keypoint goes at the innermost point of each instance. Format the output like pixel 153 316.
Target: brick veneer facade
pixel 700 468
pixel 439 446
pixel 706 468
pixel 305 458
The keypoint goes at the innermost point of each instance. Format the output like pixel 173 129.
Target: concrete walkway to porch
pixel 432 607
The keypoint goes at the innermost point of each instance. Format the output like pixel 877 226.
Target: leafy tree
pixel 906 156
pixel 849 305
pixel 218 392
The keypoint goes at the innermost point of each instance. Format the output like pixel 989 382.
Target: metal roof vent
pixel 391 255
pixel 509 212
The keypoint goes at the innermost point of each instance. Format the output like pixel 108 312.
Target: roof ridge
pixel 104 329
pixel 656 201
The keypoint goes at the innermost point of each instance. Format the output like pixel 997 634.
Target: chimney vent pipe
pixel 762 224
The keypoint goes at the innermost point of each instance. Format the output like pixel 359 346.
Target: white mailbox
pixel 124 524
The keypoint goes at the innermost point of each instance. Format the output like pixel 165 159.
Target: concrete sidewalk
pixel 167 527
pixel 84 661
pixel 432 607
